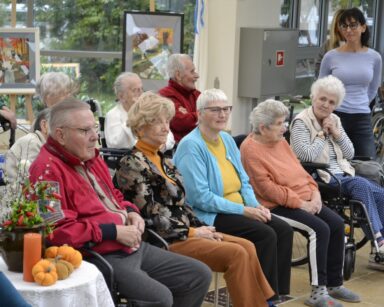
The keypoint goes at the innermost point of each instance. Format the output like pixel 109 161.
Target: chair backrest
pixel 239 139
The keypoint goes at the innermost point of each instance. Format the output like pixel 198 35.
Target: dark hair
pixel 356 14
pixel 42 115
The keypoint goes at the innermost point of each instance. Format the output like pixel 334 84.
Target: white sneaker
pixel 375 265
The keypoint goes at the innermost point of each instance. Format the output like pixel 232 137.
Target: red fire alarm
pixel 279 58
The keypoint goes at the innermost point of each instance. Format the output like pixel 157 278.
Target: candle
pixel 32 254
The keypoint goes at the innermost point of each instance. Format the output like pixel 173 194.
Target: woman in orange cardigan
pixel 282 185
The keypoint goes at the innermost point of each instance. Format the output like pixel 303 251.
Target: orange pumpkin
pixel 44 273
pixel 67 253
pixel 63 268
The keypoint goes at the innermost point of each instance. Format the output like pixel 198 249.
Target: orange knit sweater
pixel 276 174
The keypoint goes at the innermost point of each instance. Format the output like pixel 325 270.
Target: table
pixel 84 287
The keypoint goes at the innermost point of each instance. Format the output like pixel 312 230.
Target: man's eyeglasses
pixel 352 26
pixel 84 131
pixel 217 110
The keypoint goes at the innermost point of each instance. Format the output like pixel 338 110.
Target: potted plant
pixel 26 207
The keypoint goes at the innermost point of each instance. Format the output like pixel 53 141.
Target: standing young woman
pixel 359 68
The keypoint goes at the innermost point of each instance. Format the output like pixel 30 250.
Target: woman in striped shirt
pixel 318 136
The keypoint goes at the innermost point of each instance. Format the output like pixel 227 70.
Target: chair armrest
pixel 110 280
pixel 156 239
pixel 314 165
pixel 363 158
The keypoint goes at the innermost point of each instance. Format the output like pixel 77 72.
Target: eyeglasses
pixel 84 131
pixel 217 110
pixel 353 26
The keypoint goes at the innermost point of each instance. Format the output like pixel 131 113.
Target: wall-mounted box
pixel 267 62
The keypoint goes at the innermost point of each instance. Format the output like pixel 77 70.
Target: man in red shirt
pixel 182 91
pixel 94 211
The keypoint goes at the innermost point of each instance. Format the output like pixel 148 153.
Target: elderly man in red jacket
pixel 94 211
pixel 182 91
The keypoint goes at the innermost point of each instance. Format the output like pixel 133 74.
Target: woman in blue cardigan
pixel 218 189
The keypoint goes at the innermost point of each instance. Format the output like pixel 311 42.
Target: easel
pixel 28 93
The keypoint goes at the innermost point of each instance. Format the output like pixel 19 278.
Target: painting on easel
pixel 19 59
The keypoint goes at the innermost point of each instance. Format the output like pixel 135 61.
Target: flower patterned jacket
pixel 161 202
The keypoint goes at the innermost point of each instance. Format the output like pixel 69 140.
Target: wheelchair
pixel 358 228
pixel 378 125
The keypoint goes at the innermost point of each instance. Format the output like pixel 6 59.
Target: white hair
pixel 266 113
pixel 175 64
pixel 55 84
pixel 330 85
pixel 118 84
pixel 208 96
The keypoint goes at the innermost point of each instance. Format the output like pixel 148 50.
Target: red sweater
pixel 275 173
pixel 183 122
pixel 83 210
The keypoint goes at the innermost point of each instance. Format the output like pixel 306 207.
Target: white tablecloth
pixel 84 287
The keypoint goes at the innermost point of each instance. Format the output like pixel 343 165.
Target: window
pixel 309 23
pixel 285 13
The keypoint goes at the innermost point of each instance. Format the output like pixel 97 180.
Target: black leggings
pixel 325 233
pixel 273 242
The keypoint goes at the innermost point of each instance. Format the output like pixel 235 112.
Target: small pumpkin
pixel 67 253
pixel 63 268
pixel 44 273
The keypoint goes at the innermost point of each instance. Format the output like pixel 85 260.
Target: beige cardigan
pixel 309 119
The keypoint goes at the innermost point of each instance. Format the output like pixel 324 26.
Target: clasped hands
pixel 208 232
pixel 130 234
pixel 259 213
pixel 314 205
pixel 330 128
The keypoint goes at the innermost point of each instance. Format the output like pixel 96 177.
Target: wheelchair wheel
pixel 349 261
pixel 378 135
pixel 299 249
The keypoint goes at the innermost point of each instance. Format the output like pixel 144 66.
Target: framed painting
pixel 149 39
pixel 19 60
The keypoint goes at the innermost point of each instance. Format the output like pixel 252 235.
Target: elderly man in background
pixel 182 91
pixel 96 213
pixel 128 87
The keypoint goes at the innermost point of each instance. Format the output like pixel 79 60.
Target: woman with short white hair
pixel 218 189
pixel 317 135
pixel 282 185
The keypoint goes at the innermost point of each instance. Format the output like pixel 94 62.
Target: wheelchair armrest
pixel 314 165
pixel 324 188
pixel 363 158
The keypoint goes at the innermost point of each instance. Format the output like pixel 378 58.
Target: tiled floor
pixel 364 281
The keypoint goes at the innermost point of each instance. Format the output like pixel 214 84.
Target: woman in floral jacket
pixel 153 183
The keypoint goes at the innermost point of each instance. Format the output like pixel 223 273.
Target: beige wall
pixel 225 19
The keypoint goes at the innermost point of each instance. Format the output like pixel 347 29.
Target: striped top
pixel 308 152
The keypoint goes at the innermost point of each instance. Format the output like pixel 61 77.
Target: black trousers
pixel 273 242
pixel 359 129
pixel 325 233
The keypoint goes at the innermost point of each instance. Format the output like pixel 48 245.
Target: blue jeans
pixel 359 129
